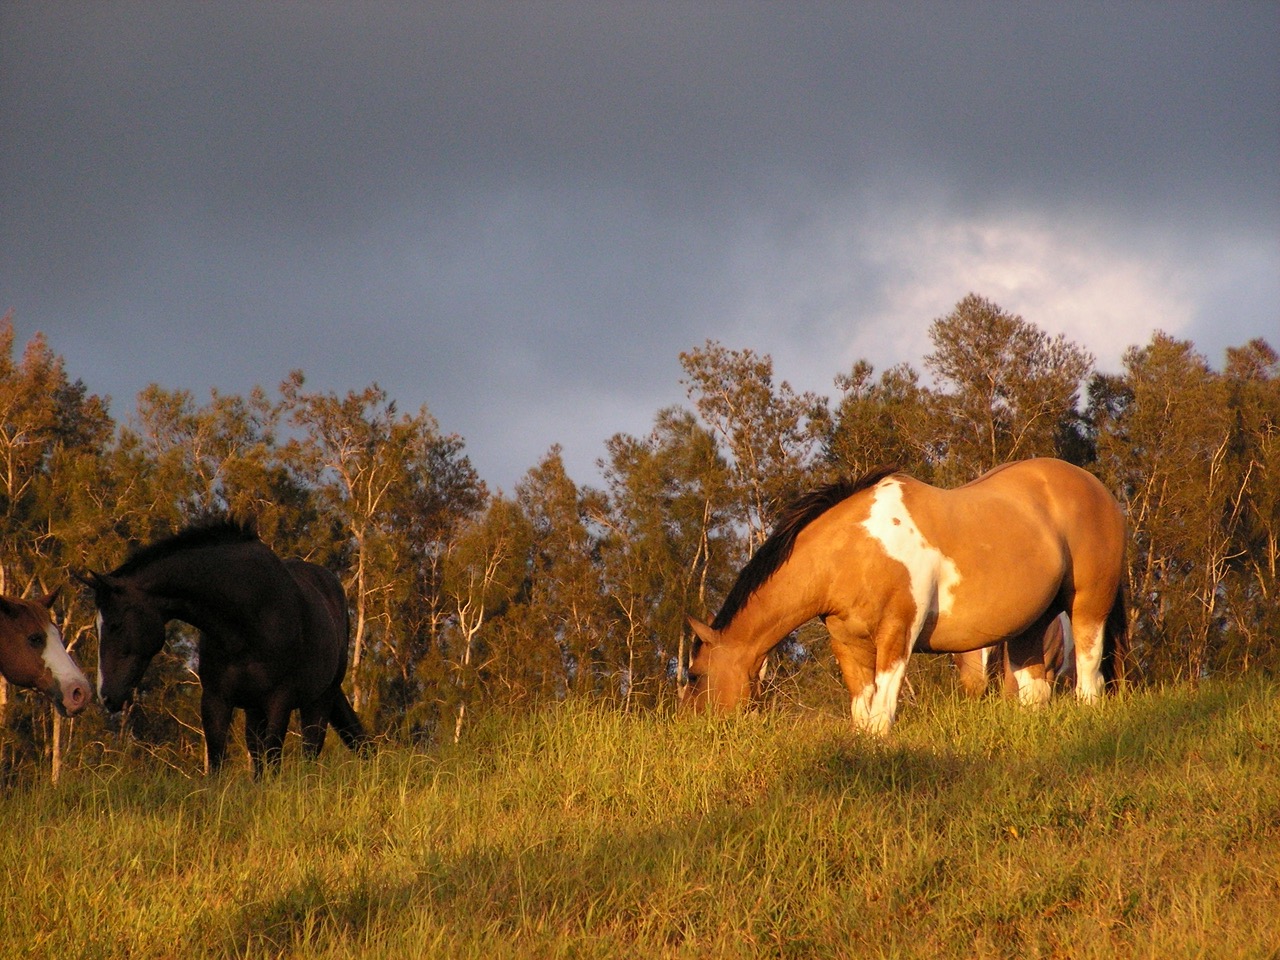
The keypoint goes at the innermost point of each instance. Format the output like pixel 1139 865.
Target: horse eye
pixel 36 640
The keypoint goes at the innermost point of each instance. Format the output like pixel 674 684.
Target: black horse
pixel 273 636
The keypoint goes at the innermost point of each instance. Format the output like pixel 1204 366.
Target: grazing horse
pixel 893 565
pixel 273 637
pixel 32 654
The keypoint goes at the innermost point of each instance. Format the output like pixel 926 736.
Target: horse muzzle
pixel 113 702
pixel 71 697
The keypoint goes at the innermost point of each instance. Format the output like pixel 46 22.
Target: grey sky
pixel 519 215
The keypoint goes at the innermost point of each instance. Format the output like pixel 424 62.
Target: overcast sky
pixel 520 214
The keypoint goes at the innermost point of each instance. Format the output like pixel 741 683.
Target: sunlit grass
pixel 1148 827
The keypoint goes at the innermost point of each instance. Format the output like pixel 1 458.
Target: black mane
pixel 214 533
pixel 774 552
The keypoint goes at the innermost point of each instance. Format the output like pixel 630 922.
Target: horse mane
pixel 775 551
pixel 212 533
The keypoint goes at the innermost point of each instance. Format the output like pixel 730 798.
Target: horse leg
pixel 1088 634
pixel 277 714
pixel 893 649
pixel 344 720
pixel 857 658
pixel 314 718
pixel 1059 655
pixel 971 667
pixel 215 718
pixel 873 672
pixel 1026 653
pixel 255 737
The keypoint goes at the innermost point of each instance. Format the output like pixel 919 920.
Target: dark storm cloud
pixel 519 216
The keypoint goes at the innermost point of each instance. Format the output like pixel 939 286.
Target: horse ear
pixel 47 600
pixel 92 579
pixel 703 632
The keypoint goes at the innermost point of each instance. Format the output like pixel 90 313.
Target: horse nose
pixel 77 698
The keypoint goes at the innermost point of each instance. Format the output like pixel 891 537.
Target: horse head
pixel 130 634
pixel 32 654
pixel 720 676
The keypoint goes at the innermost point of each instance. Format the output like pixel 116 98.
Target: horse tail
pixel 344 720
pixel 1115 646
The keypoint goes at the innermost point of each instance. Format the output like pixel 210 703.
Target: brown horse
pixel 32 654
pixel 893 565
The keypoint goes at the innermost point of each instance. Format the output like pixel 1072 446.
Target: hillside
pixel 1147 827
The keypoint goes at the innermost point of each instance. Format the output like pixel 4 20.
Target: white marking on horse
pixel 61 665
pixel 98 619
pixel 933 575
pixel 1089 680
pixel 1032 691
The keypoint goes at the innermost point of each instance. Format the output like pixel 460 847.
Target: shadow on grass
pixel 1152 725
pixel 866 767
pixel 558 891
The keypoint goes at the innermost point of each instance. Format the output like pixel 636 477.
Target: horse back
pixel 1014 542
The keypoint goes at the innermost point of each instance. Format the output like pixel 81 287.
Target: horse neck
pixel 183 589
pixel 780 605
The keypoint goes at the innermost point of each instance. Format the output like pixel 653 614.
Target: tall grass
pixel 1147 827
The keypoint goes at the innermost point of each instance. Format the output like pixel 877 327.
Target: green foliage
pixel 1145 826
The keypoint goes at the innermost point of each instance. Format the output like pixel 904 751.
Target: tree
pixel 1166 453
pixel 770 434
pixel 49 427
pixel 668 503
pixel 483 575
pixel 1007 389
pixel 1253 383
pixel 880 422
pixel 366 460
pixel 565 604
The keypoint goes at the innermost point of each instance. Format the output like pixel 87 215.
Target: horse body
pixel 32 654
pixel 893 565
pixel 273 637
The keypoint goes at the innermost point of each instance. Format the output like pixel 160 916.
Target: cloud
pixel 520 219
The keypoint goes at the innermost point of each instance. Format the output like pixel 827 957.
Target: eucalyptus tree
pixel 770 433
pixel 484 573
pixel 1253 382
pixel 1006 389
pixel 884 421
pixel 50 431
pixel 667 534
pixel 1165 450
pixel 566 619
pixel 372 468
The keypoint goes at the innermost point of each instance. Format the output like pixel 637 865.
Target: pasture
pixel 1148 826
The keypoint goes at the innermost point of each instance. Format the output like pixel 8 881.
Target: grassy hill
pixel 1147 827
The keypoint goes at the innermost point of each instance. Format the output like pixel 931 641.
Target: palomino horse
pixel 32 654
pixel 893 565
pixel 273 637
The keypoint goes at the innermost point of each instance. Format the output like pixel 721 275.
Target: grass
pixel 1146 827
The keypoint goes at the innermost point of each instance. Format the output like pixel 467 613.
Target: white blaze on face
pixel 98 620
pixel 933 575
pixel 60 664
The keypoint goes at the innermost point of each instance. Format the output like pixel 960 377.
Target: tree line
pixel 465 599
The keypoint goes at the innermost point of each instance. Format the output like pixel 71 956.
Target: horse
pixel 273 637
pixel 893 566
pixel 32 654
